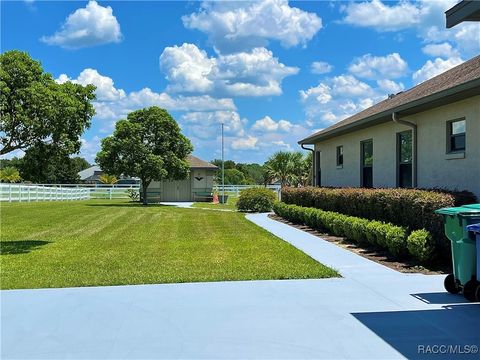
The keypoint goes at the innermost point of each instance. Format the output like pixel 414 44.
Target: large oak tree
pixel 148 145
pixel 35 109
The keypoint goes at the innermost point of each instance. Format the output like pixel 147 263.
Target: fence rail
pixel 28 193
pixel 235 189
pixel 59 192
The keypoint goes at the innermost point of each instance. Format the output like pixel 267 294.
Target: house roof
pixel 458 83
pixel 466 10
pixel 196 163
pixel 89 172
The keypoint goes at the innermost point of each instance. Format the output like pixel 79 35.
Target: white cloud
pixel 254 73
pixel 390 86
pixel 426 17
pixel 113 104
pixel 237 26
pixel 247 143
pixel 267 124
pixel 206 124
pixel 187 68
pixel 89 26
pixel 90 148
pixel 433 68
pixel 105 91
pixel 282 144
pixel 320 94
pixel 444 50
pixel 348 85
pixel 381 17
pixel 320 67
pixel 336 98
pixel 379 67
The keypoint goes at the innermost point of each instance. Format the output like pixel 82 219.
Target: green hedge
pixel 409 208
pixel 256 200
pixel 362 231
pixel 419 244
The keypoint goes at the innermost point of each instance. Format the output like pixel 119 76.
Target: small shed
pixel 195 187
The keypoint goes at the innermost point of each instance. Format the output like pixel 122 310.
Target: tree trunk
pixel 145 184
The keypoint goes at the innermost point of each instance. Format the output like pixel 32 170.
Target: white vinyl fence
pixel 235 189
pixel 21 192
pixel 63 192
pixel 57 192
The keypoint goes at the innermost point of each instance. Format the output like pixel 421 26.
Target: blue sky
pixel 272 71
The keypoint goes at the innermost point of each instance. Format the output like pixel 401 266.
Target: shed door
pixel 177 190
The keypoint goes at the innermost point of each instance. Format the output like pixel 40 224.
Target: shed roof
pixel 458 83
pixel 196 163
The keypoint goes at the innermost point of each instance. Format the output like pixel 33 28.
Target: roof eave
pixel 463 11
pixel 411 107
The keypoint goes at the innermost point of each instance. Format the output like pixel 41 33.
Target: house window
pixel 456 135
pixel 404 159
pixel 339 155
pixel 366 160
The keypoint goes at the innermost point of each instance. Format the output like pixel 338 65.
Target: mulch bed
pixel 371 253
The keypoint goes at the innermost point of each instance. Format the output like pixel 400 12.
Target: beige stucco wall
pixel 435 167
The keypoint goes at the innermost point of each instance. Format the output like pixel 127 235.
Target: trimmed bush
pixel 409 208
pixel 388 236
pixel 419 244
pixel 256 200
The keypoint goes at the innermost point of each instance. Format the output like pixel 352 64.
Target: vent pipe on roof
pixel 414 144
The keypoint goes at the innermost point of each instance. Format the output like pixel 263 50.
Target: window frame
pixel 399 158
pixel 362 162
pixel 450 136
pixel 339 155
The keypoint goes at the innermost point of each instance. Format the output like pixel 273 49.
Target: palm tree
pixel 10 175
pixel 108 179
pixel 282 167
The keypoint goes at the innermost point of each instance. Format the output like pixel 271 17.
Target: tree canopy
pixel 148 144
pixel 45 163
pixel 35 109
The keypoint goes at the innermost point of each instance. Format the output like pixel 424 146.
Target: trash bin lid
pixel 461 210
pixel 472 206
pixel 474 228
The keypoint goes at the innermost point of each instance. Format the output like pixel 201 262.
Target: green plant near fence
pixel 391 237
pixel 256 200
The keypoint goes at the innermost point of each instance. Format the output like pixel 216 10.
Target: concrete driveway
pixel 372 312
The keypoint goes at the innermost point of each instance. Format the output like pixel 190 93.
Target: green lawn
pixel 230 205
pixel 112 242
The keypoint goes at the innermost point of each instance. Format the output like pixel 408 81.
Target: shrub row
pixel 409 208
pixel 362 231
pixel 256 200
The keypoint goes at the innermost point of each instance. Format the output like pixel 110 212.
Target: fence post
pixel 10 193
pixel 110 193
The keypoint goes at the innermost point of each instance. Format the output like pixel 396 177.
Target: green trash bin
pixel 464 257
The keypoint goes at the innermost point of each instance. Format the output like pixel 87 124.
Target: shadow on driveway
pixel 447 333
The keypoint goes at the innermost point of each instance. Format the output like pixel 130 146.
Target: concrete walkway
pixel 371 313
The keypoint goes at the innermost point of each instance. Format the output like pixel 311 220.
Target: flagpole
pixel 223 169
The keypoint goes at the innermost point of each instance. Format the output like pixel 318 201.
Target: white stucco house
pixel 425 137
pixel 198 185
